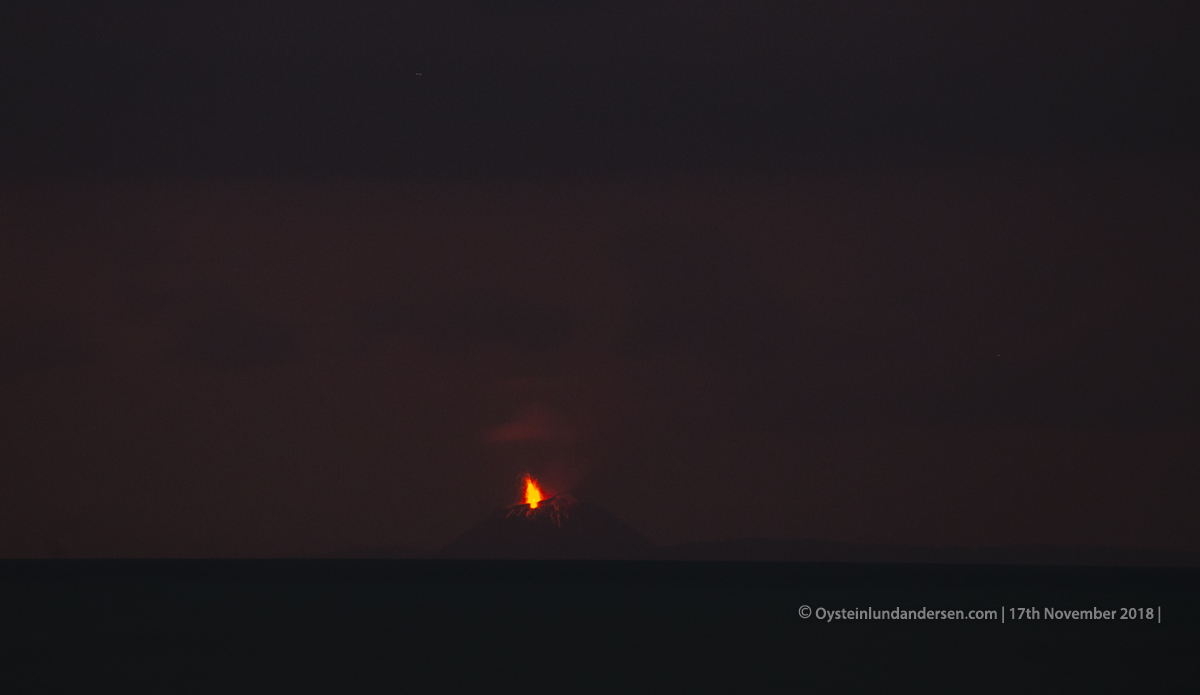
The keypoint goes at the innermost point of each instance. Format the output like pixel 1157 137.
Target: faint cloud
pixel 237 340
pixel 700 293
pixel 464 323
pixel 211 327
pixel 532 424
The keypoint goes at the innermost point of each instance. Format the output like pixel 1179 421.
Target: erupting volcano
pixel 549 528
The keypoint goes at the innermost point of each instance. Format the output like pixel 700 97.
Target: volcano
pixel 556 528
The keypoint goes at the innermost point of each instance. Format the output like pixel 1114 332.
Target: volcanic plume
pixel 552 528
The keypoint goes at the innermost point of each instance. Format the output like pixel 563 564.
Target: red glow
pixel 533 493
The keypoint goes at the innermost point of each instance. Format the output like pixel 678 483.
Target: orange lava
pixel 533 493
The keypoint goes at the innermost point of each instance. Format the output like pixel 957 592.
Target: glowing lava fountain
pixel 533 493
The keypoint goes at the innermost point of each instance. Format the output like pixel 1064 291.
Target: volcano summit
pixel 556 528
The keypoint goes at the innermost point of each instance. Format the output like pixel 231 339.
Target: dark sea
pixel 453 625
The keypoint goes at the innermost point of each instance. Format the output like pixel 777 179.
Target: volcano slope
pixel 559 528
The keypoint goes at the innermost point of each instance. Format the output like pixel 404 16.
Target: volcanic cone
pixel 559 528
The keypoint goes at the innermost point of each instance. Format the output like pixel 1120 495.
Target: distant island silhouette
pixel 567 529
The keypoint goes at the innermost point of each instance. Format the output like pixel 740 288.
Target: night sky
pixel 293 280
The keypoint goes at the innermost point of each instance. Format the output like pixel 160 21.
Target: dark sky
pixel 283 279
